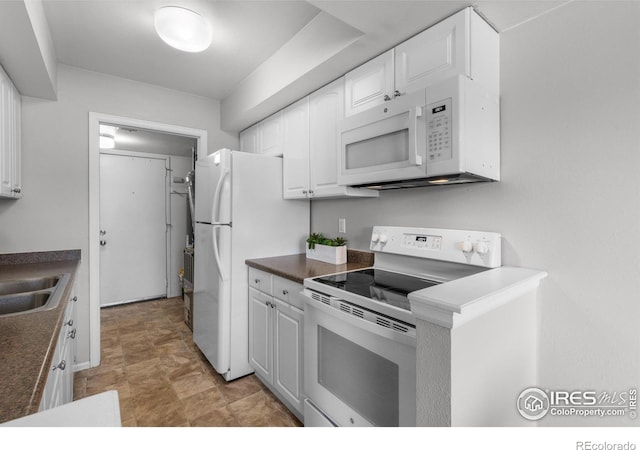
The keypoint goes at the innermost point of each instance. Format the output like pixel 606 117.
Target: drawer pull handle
pixel 285 292
pixel 72 334
pixel 70 322
pixel 257 280
pixel 75 298
pixel 61 366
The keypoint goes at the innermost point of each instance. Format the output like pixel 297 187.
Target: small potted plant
pixel 333 251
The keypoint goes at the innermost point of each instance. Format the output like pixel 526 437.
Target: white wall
pixel 54 211
pixel 569 199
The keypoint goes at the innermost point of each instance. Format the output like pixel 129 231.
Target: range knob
pixel 466 246
pixel 383 238
pixel 375 237
pixel 482 248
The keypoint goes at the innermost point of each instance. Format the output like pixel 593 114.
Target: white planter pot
pixel 326 253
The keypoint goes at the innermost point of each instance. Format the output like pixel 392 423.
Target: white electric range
pixel 360 335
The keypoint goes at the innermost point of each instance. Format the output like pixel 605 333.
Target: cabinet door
pixel 6 143
pixel 249 140
pixel 369 85
pixel 10 138
pixel 295 150
pixel 260 331
pixel 69 353
pixel 270 135
pixel 326 110
pixel 16 128
pixel 435 54
pixel 288 357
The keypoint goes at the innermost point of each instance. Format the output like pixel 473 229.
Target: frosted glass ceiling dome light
pixel 183 29
pixel 108 136
pixel 107 141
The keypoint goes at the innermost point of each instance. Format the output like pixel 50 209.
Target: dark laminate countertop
pixel 298 267
pixel 28 341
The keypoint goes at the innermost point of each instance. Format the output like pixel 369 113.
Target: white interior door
pixel 133 230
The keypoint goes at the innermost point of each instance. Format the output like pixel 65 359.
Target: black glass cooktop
pixel 381 285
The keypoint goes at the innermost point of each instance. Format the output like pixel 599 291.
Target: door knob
pixel 103 243
pixel 103 232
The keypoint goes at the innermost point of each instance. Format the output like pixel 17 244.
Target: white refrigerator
pixel 240 215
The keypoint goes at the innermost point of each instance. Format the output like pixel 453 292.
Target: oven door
pixel 385 143
pixel 356 372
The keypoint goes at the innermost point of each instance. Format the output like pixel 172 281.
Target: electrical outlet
pixel 342 225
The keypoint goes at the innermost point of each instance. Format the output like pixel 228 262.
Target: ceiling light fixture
pixel 107 141
pixel 183 29
pixel 108 136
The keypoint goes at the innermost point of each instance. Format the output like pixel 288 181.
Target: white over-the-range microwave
pixel 447 133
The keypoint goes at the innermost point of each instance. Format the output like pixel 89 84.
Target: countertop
pixel 456 302
pixel 298 267
pixel 27 341
pixel 100 410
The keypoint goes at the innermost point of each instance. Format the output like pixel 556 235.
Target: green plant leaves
pixel 318 238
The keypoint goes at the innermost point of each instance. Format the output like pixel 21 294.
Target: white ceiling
pixel 118 37
pixel 265 55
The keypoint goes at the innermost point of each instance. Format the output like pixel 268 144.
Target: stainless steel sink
pixel 18 303
pixel 28 285
pixel 31 294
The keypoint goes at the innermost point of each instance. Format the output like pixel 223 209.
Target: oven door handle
pixel 350 319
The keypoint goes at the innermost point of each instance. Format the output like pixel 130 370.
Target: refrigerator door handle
pixel 216 197
pixel 216 252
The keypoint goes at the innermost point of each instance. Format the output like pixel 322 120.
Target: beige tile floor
pixel 163 380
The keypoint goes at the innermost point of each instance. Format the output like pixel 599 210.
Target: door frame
pixel 95 119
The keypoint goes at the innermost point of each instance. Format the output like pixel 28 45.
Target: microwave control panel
pixel 439 130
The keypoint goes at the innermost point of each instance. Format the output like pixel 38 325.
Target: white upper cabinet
pixel 10 139
pixel 370 84
pixel 310 146
pixel 265 137
pixel 463 44
pixel 295 150
pixel 326 111
pixel 270 135
pixel 249 140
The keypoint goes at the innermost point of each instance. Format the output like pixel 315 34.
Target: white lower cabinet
pixel 58 389
pixel 276 322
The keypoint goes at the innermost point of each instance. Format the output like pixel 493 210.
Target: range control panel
pixel 422 241
pixel 478 248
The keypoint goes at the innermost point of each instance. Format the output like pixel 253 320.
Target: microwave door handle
pixel 414 158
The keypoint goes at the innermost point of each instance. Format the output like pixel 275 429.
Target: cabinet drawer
pixel 260 280
pixel 288 291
